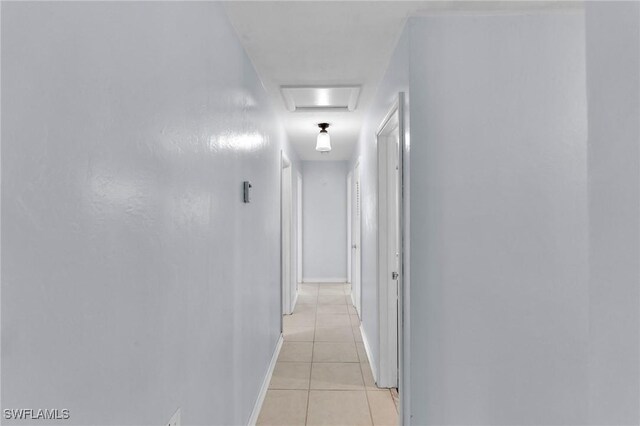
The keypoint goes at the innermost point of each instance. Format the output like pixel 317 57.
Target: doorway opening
pixel 289 287
pixel 389 140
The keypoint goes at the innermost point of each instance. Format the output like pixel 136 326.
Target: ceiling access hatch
pixel 320 98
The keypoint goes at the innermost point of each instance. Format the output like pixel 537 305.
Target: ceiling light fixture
pixel 323 144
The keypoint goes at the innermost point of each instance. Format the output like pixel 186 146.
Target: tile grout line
pixel 355 343
pixel 313 346
pixel 366 392
pixel 364 384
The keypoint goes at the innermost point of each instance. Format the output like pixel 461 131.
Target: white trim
pixel 349 234
pixel 325 280
pixel 293 304
pixel 299 229
pixel 265 384
pixel 286 235
pixel 356 239
pixel 390 290
pixel 367 349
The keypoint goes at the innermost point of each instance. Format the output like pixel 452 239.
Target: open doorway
pixel 289 287
pixel 389 140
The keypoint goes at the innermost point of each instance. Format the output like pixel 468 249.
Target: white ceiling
pixel 329 43
pixel 320 43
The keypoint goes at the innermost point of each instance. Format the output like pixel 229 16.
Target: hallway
pixel 230 213
pixel 323 376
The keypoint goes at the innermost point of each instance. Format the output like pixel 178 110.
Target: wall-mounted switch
pixel 175 419
pixel 246 189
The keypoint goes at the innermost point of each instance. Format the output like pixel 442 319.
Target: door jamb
pixel 357 245
pixel 349 230
pixel 298 229
pixel 397 110
pixel 285 286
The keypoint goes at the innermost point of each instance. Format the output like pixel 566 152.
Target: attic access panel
pixel 320 98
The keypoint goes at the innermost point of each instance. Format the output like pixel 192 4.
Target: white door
pixel 356 259
pixel 393 168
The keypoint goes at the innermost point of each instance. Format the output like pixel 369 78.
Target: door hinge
pixel 394 275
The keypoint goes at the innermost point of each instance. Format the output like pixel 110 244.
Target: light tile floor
pixel 323 376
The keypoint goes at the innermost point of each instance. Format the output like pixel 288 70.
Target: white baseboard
pixel 325 280
pixel 367 349
pixel 295 300
pixel 265 384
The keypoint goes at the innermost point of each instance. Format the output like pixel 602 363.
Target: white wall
pixel 324 220
pixel 499 295
pixel 525 207
pixel 396 80
pixel 613 90
pixel 134 279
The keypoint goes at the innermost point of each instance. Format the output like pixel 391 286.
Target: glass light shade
pixel 324 142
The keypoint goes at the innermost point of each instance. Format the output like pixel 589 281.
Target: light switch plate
pixel 175 419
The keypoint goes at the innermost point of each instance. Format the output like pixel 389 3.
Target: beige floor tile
pixel 308 289
pixel 369 383
pixel 296 352
pixel 338 408
pixel 396 398
pixel 332 320
pixel 307 299
pixel 291 375
pixel 331 291
pixel 306 319
pixel 383 410
pixel 299 334
pixel 335 352
pixel 362 353
pixel 336 376
pixel 357 335
pixel 332 309
pixel 309 285
pixel 334 299
pixel 333 334
pixel 302 308
pixel 354 320
pixel 284 407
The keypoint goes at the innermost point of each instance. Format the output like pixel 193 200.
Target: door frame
pixel 349 224
pixel 390 326
pixel 298 230
pixel 286 226
pixel 356 243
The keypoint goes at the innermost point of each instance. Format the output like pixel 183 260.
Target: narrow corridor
pixel 323 376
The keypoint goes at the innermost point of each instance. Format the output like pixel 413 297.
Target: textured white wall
pixel 613 90
pixel 499 295
pixel 134 279
pixel 525 233
pixel 395 80
pixel 324 220
pixel 499 227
